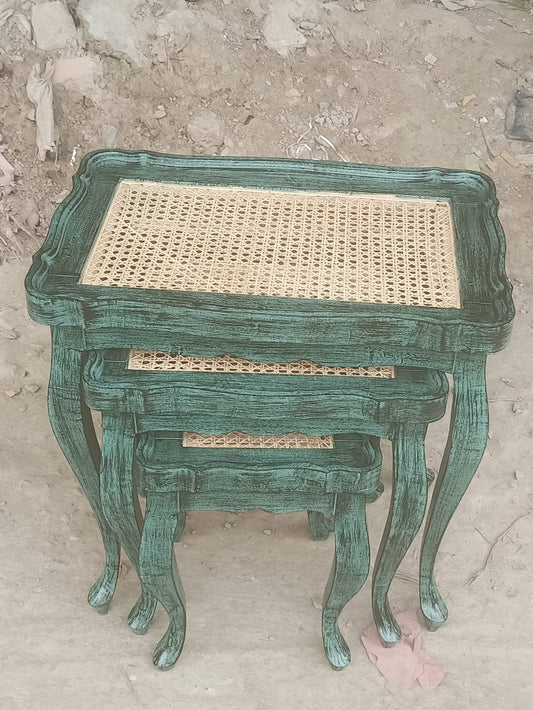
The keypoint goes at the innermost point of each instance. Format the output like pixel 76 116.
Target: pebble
pixel 267 532
pixel 160 112
pixel 206 130
pixel 33 387
pixel 53 26
pixel 227 526
pixel 279 31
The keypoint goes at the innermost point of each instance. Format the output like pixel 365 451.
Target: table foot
pixel 465 447
pixel 408 504
pixel 348 573
pixel 103 589
pixel 141 615
pixel 121 506
pixel 159 572
pixel 74 430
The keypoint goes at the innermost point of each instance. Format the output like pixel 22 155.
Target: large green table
pixel 269 328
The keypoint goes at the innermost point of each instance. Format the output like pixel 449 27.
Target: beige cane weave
pixel 161 361
pixel 328 246
pixel 238 440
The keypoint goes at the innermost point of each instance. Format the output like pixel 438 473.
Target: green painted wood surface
pixel 274 329
pixel 481 325
pixel 408 504
pixel 263 404
pixel 275 480
pixel 207 479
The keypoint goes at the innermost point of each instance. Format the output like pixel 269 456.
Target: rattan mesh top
pixel 238 440
pixel 155 360
pixel 328 246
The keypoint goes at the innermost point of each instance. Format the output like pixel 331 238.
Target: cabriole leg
pixel 120 503
pixel 466 443
pixel 318 525
pixel 348 573
pixel 73 428
pixel 159 572
pixel 407 509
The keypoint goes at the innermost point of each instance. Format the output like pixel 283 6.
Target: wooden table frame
pixel 273 329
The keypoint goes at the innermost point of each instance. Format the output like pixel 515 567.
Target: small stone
pixel 510 158
pixel 519 475
pixel 109 136
pixel 430 59
pixel 499 113
pixel 113 23
pixel 33 387
pixel 467 99
pixel 517 409
pixel 160 112
pixel 505 63
pixel 280 32
pixel 349 624
pixel 267 532
pixel 10 334
pixel 80 73
pixel 227 526
pixel 206 130
pixel 53 27
pixel 13 392
pixel 317 603
pixel 492 164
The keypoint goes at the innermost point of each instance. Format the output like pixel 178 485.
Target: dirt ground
pixel 390 82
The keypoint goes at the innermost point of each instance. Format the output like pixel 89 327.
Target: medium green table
pixel 376 326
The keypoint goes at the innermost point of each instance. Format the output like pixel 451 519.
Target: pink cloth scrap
pixel 406 662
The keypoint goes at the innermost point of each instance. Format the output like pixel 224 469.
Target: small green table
pixel 383 327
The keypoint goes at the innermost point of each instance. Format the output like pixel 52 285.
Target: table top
pixel 340 300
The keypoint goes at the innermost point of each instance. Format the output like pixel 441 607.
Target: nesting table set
pixel 250 329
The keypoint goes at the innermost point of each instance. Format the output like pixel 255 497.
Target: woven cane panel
pixel 329 246
pixel 238 440
pixel 155 360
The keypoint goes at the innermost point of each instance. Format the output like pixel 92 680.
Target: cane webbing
pixel 327 246
pixel 238 440
pixel 161 361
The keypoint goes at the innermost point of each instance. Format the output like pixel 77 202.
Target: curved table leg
pixel 348 573
pixel 120 503
pixel 73 428
pixel 407 509
pixel 182 519
pixel 318 525
pixel 466 443
pixel 159 572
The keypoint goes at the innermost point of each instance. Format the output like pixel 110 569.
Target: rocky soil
pixel 390 82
